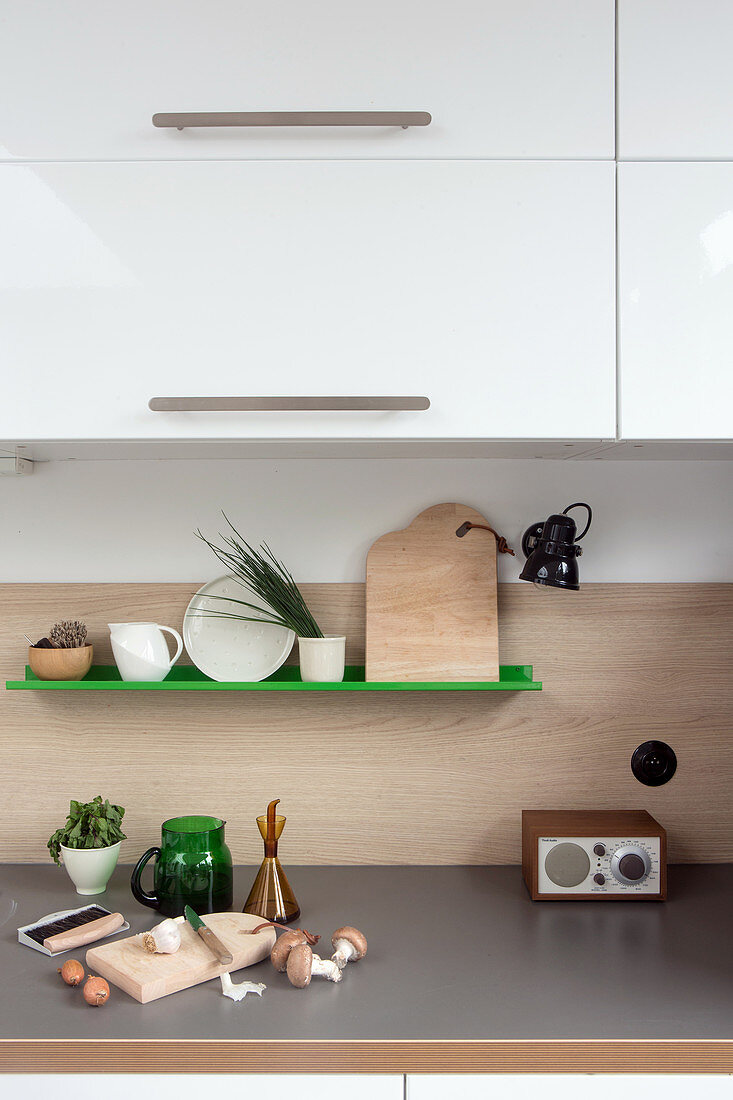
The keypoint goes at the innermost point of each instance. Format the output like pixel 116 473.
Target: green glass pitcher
pixel 193 867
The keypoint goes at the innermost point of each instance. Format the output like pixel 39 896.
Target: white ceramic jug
pixel 140 650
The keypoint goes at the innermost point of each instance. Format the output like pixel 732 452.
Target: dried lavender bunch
pixel 68 635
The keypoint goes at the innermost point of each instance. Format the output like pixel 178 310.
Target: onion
pixel 72 972
pixel 96 991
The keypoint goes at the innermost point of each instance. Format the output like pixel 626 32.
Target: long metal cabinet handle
pixel 184 119
pixel 289 404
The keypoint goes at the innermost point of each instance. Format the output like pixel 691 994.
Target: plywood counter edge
pixel 364 1056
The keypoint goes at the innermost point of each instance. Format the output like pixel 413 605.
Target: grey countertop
pixel 455 953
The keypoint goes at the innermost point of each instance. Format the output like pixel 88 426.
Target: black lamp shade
pixel 552 553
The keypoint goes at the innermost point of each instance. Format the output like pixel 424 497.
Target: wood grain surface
pixel 431 600
pixel 620 664
pixel 274 1056
pixel 146 976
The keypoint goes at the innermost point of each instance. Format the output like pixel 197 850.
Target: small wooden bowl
pixel 60 664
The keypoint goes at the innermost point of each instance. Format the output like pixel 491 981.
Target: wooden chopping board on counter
pixel 147 977
pixel 431 612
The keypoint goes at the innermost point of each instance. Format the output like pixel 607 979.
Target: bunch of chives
pixel 268 580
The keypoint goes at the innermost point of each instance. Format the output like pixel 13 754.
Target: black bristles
pixel 41 932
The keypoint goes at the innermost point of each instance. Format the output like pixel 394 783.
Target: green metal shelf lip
pixel 287 678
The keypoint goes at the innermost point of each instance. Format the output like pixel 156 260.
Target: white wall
pixel 129 521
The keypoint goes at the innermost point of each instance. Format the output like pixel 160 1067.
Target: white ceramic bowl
pixel 90 869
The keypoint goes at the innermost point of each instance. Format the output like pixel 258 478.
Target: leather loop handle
pixel 502 546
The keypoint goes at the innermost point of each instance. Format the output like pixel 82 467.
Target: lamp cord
pixel 502 546
pixel 580 504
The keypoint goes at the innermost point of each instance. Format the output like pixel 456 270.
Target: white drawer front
pixel 80 80
pixel 576 1086
pixel 229 1086
pixel 487 287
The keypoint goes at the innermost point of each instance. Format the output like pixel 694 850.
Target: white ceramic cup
pixel 90 869
pixel 141 651
pixel 322 659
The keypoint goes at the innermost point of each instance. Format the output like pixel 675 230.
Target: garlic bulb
pixel 164 939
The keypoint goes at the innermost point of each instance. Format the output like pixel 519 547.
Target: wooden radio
pixel 592 855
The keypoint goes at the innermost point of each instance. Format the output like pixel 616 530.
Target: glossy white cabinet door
pixel 530 78
pixel 179 1086
pixel 675 79
pixel 485 286
pixel 676 301
pixel 566 1086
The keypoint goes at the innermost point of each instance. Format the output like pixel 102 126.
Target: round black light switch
pixel 654 763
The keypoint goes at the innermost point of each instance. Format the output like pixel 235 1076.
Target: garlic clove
pixel 237 992
pixel 164 939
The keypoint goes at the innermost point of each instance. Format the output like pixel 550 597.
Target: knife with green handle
pixel 213 942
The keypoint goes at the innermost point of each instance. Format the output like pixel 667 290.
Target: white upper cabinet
pixel 527 78
pixel 675 79
pixel 485 286
pixel 676 301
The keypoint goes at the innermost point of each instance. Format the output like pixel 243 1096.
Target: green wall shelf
pixel 287 678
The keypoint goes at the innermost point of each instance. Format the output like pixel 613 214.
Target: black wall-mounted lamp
pixel 551 551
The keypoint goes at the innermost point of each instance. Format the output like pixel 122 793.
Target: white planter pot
pixel 322 659
pixel 90 869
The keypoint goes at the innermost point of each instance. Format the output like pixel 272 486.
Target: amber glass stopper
pixel 271 896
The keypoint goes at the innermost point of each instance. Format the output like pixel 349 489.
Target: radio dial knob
pixel 630 865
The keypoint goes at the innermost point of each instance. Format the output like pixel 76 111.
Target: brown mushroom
pixel 349 945
pixel 303 964
pixel 283 946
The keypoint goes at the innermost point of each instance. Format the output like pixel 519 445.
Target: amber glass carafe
pixel 271 896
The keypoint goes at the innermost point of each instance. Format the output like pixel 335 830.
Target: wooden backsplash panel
pixel 389 778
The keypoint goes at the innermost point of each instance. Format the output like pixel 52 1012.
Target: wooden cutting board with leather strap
pixel 147 977
pixel 431 612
